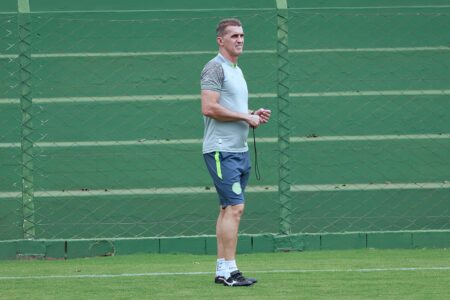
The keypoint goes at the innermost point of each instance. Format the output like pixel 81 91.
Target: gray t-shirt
pixel 222 76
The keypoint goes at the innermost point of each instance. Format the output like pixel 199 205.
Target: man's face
pixel 232 41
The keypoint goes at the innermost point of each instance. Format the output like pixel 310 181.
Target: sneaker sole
pixel 222 281
pixel 237 285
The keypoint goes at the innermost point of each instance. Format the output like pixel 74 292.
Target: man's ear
pixel 219 40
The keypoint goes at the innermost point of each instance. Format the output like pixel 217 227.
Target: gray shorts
pixel 230 172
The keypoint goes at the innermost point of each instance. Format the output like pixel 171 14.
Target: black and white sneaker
pixel 237 279
pixel 221 279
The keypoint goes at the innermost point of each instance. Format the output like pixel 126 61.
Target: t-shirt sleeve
pixel 212 77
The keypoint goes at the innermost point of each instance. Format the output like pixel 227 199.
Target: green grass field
pixel 352 274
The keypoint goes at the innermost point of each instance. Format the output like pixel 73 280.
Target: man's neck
pixel 232 59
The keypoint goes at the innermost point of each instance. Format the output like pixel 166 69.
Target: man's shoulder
pixel 213 68
pixel 214 63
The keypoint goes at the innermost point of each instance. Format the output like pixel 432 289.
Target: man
pixel 227 120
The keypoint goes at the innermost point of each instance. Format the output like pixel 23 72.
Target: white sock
pixel 230 267
pixel 220 267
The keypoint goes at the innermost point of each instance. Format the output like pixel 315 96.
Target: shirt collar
pixel 228 62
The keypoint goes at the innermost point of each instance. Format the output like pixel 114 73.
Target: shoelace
pixel 239 276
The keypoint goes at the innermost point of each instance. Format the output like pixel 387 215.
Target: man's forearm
pixel 220 113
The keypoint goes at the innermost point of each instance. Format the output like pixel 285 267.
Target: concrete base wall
pixel 66 249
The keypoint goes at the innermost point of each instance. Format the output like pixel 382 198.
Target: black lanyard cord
pixel 257 173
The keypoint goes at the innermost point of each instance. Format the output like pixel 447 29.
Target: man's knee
pixel 236 211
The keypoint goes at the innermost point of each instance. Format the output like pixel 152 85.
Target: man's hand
pixel 264 115
pixel 254 121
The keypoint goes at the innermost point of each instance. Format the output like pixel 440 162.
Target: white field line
pixel 196 97
pixel 148 53
pixel 372 187
pixel 151 10
pixel 127 192
pixel 373 93
pixel 105 143
pixel 241 9
pixel 144 142
pixel 132 98
pixel 371 7
pixel 369 138
pixel 250 189
pixel 9 101
pixel 8 56
pixel 185 53
pixel 393 49
pixel 152 274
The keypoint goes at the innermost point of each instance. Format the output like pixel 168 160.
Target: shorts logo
pixel 236 187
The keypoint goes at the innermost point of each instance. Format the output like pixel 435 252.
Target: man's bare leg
pixel 227 231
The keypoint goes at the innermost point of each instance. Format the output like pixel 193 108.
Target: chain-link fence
pixel 370 91
pixel 10 124
pixel 359 138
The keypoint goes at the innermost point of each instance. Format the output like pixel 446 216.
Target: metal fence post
pixel 24 24
pixel 284 185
